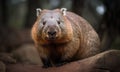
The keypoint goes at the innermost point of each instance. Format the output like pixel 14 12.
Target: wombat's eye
pixel 44 22
pixel 58 22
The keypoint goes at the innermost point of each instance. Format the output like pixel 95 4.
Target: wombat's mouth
pixel 51 37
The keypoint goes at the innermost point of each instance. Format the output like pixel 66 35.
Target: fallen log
pixel 108 61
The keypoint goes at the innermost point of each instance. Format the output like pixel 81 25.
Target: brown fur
pixel 77 39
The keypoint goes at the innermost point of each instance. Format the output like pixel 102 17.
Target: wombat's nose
pixel 51 33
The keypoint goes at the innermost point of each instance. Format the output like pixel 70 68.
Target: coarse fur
pixel 74 37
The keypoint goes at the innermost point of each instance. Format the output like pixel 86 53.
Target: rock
pixel 7 58
pixel 108 61
pixel 27 54
pixel 2 67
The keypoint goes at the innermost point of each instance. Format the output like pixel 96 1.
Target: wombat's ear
pixel 38 11
pixel 63 10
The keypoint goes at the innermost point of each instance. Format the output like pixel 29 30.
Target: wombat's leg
pixel 46 63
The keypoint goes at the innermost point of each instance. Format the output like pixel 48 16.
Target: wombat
pixel 61 36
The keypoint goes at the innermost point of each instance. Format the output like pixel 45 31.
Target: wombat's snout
pixel 51 33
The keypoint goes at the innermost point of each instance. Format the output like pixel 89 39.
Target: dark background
pixel 18 16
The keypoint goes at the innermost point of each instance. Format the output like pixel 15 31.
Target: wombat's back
pixel 89 39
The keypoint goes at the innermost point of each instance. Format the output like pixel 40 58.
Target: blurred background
pixel 18 16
